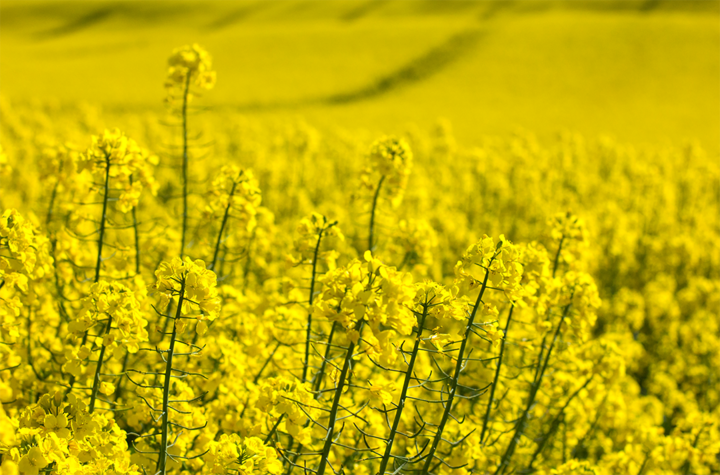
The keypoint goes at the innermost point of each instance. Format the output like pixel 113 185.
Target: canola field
pixel 360 237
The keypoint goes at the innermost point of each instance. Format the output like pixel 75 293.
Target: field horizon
pixel 643 72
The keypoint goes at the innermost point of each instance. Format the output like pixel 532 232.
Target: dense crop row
pixel 257 300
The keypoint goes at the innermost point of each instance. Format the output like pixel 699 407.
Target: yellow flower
pixel 28 250
pixel 57 424
pixel 107 388
pixel 382 393
pixel 32 462
pixel 495 334
pixel 8 467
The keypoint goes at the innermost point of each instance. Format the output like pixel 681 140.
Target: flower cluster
pixel 236 192
pixel 390 159
pixel 188 66
pixel 192 282
pixel 489 263
pixel 369 291
pixel 284 398
pixel 243 456
pixel 26 252
pixel 114 156
pixel 24 260
pixel 311 232
pixel 117 304
pixel 416 241
pixel 569 236
pixel 58 435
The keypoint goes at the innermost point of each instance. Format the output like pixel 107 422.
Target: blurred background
pixel 645 71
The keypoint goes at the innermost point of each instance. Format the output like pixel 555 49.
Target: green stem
pixel 274 429
pixel 267 362
pixel 497 377
pixel 534 388
pixel 335 406
pixel 101 235
pixel 557 256
pixel 554 426
pixel 308 330
pixel 258 375
pixel 542 345
pixel 121 379
pixel 226 215
pixel 96 379
pixel 162 458
pixel 137 236
pixel 456 376
pixel 403 394
pixel 58 290
pixel 372 213
pixel 98 262
pixel 580 445
pixel 406 259
pixel 319 375
pixel 29 347
pixel 317 383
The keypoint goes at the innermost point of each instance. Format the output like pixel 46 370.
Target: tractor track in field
pixel 430 63
pixel 85 21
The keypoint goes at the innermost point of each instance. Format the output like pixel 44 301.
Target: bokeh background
pixel 643 72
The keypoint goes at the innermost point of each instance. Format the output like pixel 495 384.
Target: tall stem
pixel 98 368
pixel 185 164
pixel 101 237
pixel 273 430
pixel 308 330
pixel 335 406
pixel 162 458
pixel 554 426
pixel 121 379
pixel 319 375
pixel 456 376
pixel 522 423
pixel 372 213
pixel 497 377
pixel 267 362
pixel 403 394
pixel 226 215
pixel 542 345
pixel 101 234
pixel 557 256
pixel 317 383
pixel 28 343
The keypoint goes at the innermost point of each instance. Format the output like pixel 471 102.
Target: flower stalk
pixel 403 393
pixel 456 376
pixel 170 352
